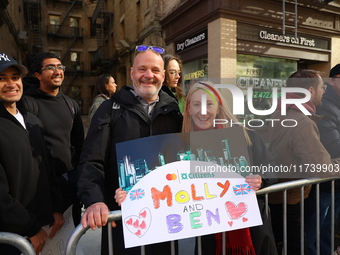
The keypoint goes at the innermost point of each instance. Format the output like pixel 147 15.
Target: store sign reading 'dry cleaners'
pixel 192 40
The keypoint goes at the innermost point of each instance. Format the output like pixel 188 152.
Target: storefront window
pixel 194 71
pixel 262 74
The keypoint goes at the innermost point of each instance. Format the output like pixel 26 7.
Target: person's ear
pixel 331 81
pixel 311 90
pixel 187 106
pixel 38 75
pixel 131 73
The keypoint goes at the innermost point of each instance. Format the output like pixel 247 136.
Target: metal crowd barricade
pixel 116 215
pixel 18 241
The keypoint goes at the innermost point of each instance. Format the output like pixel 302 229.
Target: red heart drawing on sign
pixel 143 225
pixel 236 211
pixel 244 219
pixel 133 222
pixel 136 223
pixel 129 222
pixel 230 223
pixel 143 214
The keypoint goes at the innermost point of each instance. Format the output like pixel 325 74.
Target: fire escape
pixel 101 23
pixel 287 24
pixel 33 17
pixel 69 37
pixel 284 16
pixel 19 36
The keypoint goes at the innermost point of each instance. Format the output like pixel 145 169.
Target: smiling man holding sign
pixel 141 110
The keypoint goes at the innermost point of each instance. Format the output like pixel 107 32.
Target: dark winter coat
pixel 29 191
pixel 329 128
pixel 98 173
pixel 98 167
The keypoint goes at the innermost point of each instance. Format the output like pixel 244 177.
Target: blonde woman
pixel 255 240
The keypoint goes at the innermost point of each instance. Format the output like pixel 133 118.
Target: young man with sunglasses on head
pixel 61 118
pixel 135 111
pixel 30 199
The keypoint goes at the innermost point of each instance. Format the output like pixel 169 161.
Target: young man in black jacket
pixel 61 118
pixel 30 197
pixel 133 112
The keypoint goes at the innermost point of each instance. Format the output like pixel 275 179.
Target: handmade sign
pixel 193 194
pixel 57 245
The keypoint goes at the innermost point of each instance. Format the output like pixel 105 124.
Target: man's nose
pixel 10 83
pixel 148 73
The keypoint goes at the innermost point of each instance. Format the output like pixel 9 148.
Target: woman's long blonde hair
pixel 223 109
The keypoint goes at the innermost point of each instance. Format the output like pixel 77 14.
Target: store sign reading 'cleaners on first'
pixel 300 40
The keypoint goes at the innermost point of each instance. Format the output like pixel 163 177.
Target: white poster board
pixel 173 202
pixel 57 245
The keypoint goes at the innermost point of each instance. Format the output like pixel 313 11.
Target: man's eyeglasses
pixel 54 68
pixel 141 48
pixel 175 73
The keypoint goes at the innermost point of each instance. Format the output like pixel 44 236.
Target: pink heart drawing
pixel 136 224
pixel 230 223
pixel 129 222
pixel 139 225
pixel 236 211
pixel 143 214
pixel 244 219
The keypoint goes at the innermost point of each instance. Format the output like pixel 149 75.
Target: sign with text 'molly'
pixel 173 203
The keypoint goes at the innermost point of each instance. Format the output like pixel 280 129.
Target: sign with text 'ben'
pixel 173 203
pixel 185 185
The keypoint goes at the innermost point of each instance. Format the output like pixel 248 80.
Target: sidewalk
pixel 90 242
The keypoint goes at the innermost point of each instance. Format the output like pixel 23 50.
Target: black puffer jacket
pixel 329 127
pixel 98 173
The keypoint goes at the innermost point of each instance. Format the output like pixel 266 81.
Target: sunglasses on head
pixel 141 48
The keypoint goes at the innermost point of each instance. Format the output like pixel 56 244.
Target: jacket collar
pixel 308 105
pixel 331 95
pixel 5 114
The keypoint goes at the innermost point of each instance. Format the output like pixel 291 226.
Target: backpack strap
pixel 70 105
pixel 115 114
pixel 30 104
